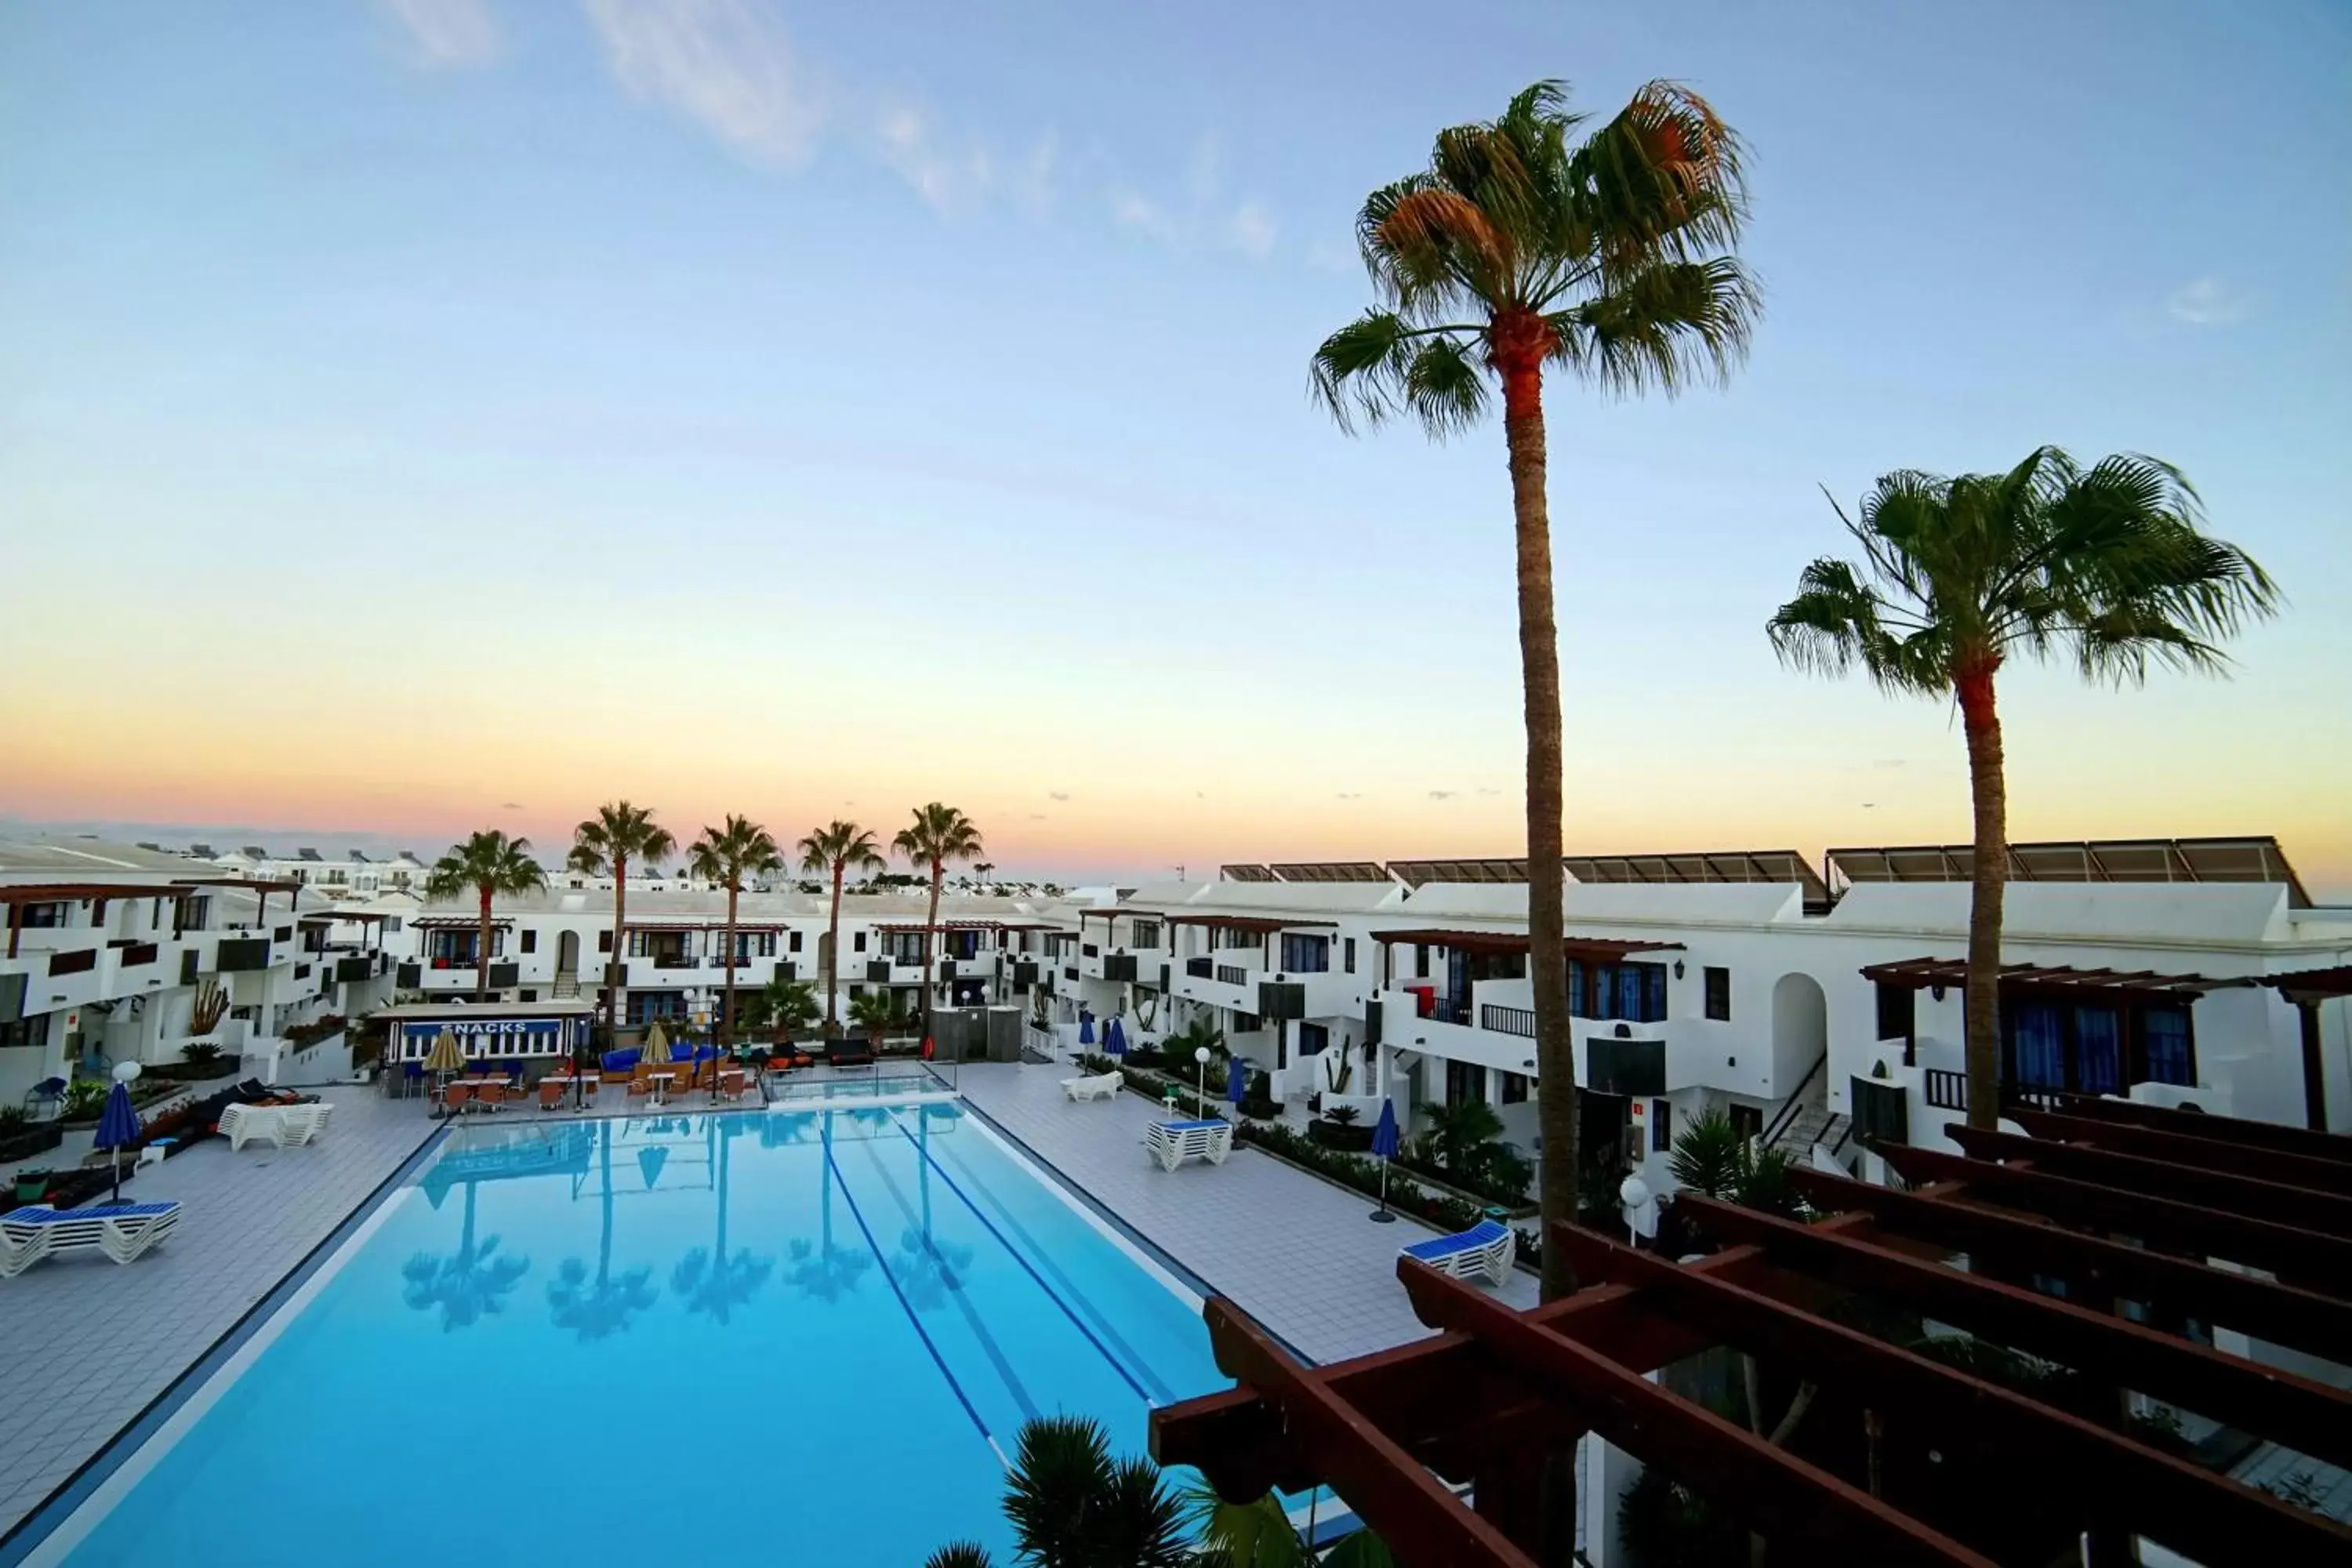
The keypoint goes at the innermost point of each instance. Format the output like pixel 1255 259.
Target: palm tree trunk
pixel 727 1008
pixel 938 869
pixel 1519 358
pixel 1989 792
pixel 832 953
pixel 482 951
pixel 614 969
pixel 1519 344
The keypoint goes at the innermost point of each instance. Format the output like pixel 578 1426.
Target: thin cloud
pixel 1056 795
pixel 723 64
pixel 1250 231
pixel 2206 302
pixel 1345 795
pixel 1487 792
pixel 1444 794
pixel 510 805
pixel 448 33
pixel 1036 816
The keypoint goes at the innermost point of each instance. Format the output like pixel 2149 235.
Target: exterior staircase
pixel 1812 1124
pixel 567 986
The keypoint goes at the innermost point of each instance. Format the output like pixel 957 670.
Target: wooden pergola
pixel 2089 1248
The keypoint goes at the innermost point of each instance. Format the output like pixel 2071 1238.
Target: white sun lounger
pixel 300 1123
pixel 121 1231
pixel 1173 1143
pixel 1483 1249
pixel 1101 1085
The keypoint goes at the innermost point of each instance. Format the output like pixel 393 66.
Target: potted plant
pixel 33 1184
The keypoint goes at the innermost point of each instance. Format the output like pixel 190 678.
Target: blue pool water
pixel 774 1338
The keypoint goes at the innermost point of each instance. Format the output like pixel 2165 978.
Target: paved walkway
pixel 1293 1250
pixel 86 1345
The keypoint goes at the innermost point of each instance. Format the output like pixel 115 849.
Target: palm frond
pixel 1661 327
pixel 1663 181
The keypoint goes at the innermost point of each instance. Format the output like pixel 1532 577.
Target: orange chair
pixel 551 1093
pixel 454 1098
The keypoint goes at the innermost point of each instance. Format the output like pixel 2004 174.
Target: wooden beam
pixel 1792 1504
pixel 2319 1145
pixel 2265 1308
pixel 2267 1401
pixel 2205 1153
pixel 2119 1482
pixel 2305 1208
pixel 2317 1262
pixel 1420 1520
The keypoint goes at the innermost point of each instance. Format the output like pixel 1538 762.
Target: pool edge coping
pixel 21 1540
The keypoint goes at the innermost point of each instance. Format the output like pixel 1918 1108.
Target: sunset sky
pixel 421 414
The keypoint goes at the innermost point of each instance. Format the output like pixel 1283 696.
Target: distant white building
pixel 350 875
pixel 111 950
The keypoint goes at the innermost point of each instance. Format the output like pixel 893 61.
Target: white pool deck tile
pixel 1296 1252
pixel 86 1344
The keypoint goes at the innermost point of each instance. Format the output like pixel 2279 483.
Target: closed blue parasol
pixel 1086 1028
pixel 1114 1039
pixel 118 1128
pixel 1384 1145
pixel 1236 1080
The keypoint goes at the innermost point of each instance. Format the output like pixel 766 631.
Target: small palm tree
pixel 791 1004
pixel 836 848
pixel 874 1012
pixel 729 855
pixel 488 863
pixel 1459 1129
pixel 1071 1505
pixel 2107 566
pixel 1612 260
pixel 618 835
pixel 939 835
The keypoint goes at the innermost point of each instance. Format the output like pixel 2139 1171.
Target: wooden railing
pixel 76 961
pixel 1227 974
pixel 137 953
pixel 1199 968
pixel 1947 1090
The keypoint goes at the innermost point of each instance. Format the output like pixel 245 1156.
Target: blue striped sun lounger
pixel 1173 1143
pixel 1483 1249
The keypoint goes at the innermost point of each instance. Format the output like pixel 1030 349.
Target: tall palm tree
pixel 836 848
pixel 727 856
pixel 1612 260
pixel 939 834
pixel 488 863
pixel 618 835
pixel 2107 566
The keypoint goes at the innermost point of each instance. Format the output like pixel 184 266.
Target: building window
pixel 1144 933
pixel 527 995
pixel 1347 954
pixel 857 941
pixel 603 941
pixel 1898 1012
pixel 1638 992
pixel 531 939
pixel 1661 1121
pixel 1464 1081
pixel 1312 1039
pixel 32 1031
pixel 1248 1023
pixel 1421 961
pixel 2164 1033
pixel 1515 1089
pixel 1719 994
pixel 1747 1121
pixel 1306 954
pixel 1576 992
pixel 793 945
pixel 46 917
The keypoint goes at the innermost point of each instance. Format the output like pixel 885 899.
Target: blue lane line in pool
pixel 963 1300
pixel 1077 1322
pixel 1043 1257
pixel 905 1306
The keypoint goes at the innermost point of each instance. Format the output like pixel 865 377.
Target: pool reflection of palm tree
pixel 468 1285
pixel 925 1267
pixel 713 1281
pixel 821 1270
pixel 597 1308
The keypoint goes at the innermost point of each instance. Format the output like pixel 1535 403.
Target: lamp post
pixel 1200 1077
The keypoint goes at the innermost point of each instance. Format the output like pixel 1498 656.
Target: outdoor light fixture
pixel 1678 969
pixel 1937 991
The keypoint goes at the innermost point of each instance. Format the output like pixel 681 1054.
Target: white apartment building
pixel 1810 1007
pixel 110 949
pixel 555 944
pixel 351 875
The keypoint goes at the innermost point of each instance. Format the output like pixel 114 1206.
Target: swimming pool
pixel 773 1337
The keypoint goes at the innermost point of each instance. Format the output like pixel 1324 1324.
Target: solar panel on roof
pixel 1329 871
pixel 1244 873
pixel 2250 859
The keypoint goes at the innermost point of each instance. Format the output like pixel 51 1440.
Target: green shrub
pixel 200 1053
